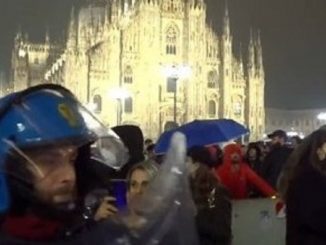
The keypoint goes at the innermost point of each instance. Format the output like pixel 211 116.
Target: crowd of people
pixel 60 176
pixel 247 171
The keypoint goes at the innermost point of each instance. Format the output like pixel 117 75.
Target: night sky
pixel 293 38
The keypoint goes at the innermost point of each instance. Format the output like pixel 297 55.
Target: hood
pixel 133 139
pixel 228 151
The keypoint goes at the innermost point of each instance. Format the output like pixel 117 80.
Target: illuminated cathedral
pixel 170 64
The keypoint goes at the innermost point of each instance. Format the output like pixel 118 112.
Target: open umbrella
pixel 203 132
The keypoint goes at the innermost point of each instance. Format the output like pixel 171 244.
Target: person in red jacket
pixel 237 176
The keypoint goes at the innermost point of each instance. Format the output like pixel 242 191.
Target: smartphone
pixel 119 191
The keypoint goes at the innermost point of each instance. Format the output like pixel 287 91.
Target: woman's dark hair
pixel 148 141
pixel 202 185
pixel 159 159
pixel 150 148
pixel 319 140
pixel 132 137
pixel 305 153
pixel 202 155
pixel 255 147
pixel 217 155
pixel 204 181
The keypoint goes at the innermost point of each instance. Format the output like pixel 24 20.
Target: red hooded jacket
pixel 238 181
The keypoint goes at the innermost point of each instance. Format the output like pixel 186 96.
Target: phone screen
pixel 119 188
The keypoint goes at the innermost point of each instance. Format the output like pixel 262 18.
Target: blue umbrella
pixel 203 132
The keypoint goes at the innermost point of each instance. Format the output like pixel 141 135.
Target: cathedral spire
pixel 47 35
pixel 226 36
pixel 107 15
pixel 251 41
pixel 19 34
pixel 241 59
pixel 251 55
pixel 191 2
pixel 200 3
pixel 113 10
pixel 26 36
pixel 125 6
pixel 258 38
pixel 251 51
pixel 259 54
pixel 98 25
pixel 72 30
pixel 92 17
pixel 119 7
pixel 226 21
pixel 240 52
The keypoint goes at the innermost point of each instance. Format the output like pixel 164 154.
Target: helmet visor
pixel 49 119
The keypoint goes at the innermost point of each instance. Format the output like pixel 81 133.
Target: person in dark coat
pixel 303 186
pixel 212 200
pixel 276 158
pixel 295 141
pixel 150 153
pixel 133 139
pixel 216 154
pixel 253 158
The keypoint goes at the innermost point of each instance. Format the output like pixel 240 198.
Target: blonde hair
pixel 149 166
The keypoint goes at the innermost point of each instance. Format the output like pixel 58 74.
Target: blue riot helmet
pixel 45 117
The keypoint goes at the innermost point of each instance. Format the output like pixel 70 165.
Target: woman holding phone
pixel 138 178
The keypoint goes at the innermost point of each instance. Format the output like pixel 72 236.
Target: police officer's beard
pixel 62 211
pixel 24 201
pixel 63 196
pixel 24 198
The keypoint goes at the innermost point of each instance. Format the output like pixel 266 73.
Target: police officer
pixel 46 140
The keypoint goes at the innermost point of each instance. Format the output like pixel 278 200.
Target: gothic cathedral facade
pixel 169 63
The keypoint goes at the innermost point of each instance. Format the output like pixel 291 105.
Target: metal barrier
pixel 258 222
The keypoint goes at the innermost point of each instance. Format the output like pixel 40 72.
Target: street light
pixel 119 94
pixel 322 116
pixel 21 53
pixel 173 73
